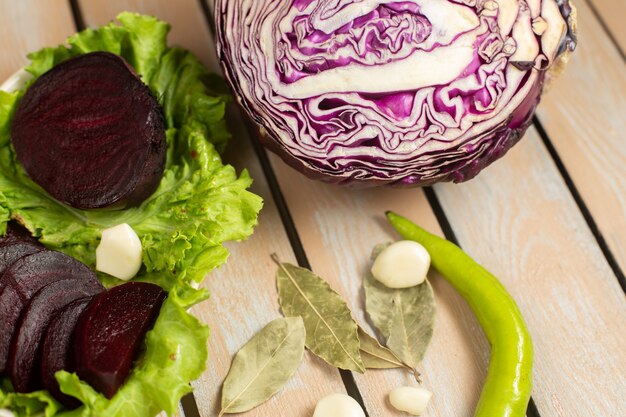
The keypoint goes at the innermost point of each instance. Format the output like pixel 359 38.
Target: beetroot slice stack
pixel 25 355
pixel 91 134
pixel 56 315
pixel 21 281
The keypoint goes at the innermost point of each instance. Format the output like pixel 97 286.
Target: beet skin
pixel 23 279
pixel 110 331
pixel 25 354
pixel 91 134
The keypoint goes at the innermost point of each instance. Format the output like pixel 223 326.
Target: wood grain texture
pixel 29 25
pixel 518 219
pixel 338 228
pixel 584 114
pixel 613 13
pixel 189 27
pixel 244 297
pixel 333 227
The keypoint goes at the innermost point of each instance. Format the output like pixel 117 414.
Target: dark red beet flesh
pixel 110 331
pixel 14 244
pixel 91 134
pixel 16 233
pixel 55 351
pixel 25 354
pixel 9 253
pixel 23 279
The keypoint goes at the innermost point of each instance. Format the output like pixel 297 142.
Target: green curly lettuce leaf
pixel 199 204
pixel 175 354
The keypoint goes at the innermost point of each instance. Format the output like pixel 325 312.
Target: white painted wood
pixel 612 12
pixel 584 114
pixel 243 300
pixel 244 297
pixel 29 25
pixel 323 214
pixel 518 219
pixel 338 228
pixel 188 24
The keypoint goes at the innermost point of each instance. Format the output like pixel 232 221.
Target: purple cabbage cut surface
pixel 110 331
pixel 56 348
pixel 25 355
pixel 23 279
pixel 91 134
pixel 373 92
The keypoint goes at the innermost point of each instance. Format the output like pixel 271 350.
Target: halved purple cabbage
pixel 372 92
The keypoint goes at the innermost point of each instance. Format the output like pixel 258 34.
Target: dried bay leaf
pixel 331 332
pixel 375 355
pixel 379 304
pixel 405 317
pixel 412 327
pixel 264 365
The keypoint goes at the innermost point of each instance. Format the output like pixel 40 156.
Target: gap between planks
pixel 582 206
pixel 287 221
pixel 187 406
pixel 610 14
pixel 189 30
pixel 583 116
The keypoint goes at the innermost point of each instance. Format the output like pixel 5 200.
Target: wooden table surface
pixel 549 219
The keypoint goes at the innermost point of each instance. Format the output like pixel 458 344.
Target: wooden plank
pixel 244 296
pixel 29 25
pixel 335 227
pixel 519 220
pixel 612 13
pixel 326 222
pixel 583 115
pixel 338 228
pixel 244 299
pixel 188 29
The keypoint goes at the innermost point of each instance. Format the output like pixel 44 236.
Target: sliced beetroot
pixel 9 253
pixel 91 134
pixel 55 351
pixel 110 331
pixel 25 354
pixel 16 243
pixel 23 279
pixel 16 233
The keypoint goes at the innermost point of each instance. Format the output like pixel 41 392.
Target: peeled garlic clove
pixel 412 400
pixel 402 264
pixel 338 405
pixel 119 252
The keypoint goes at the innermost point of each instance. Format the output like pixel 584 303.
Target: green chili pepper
pixel 509 379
